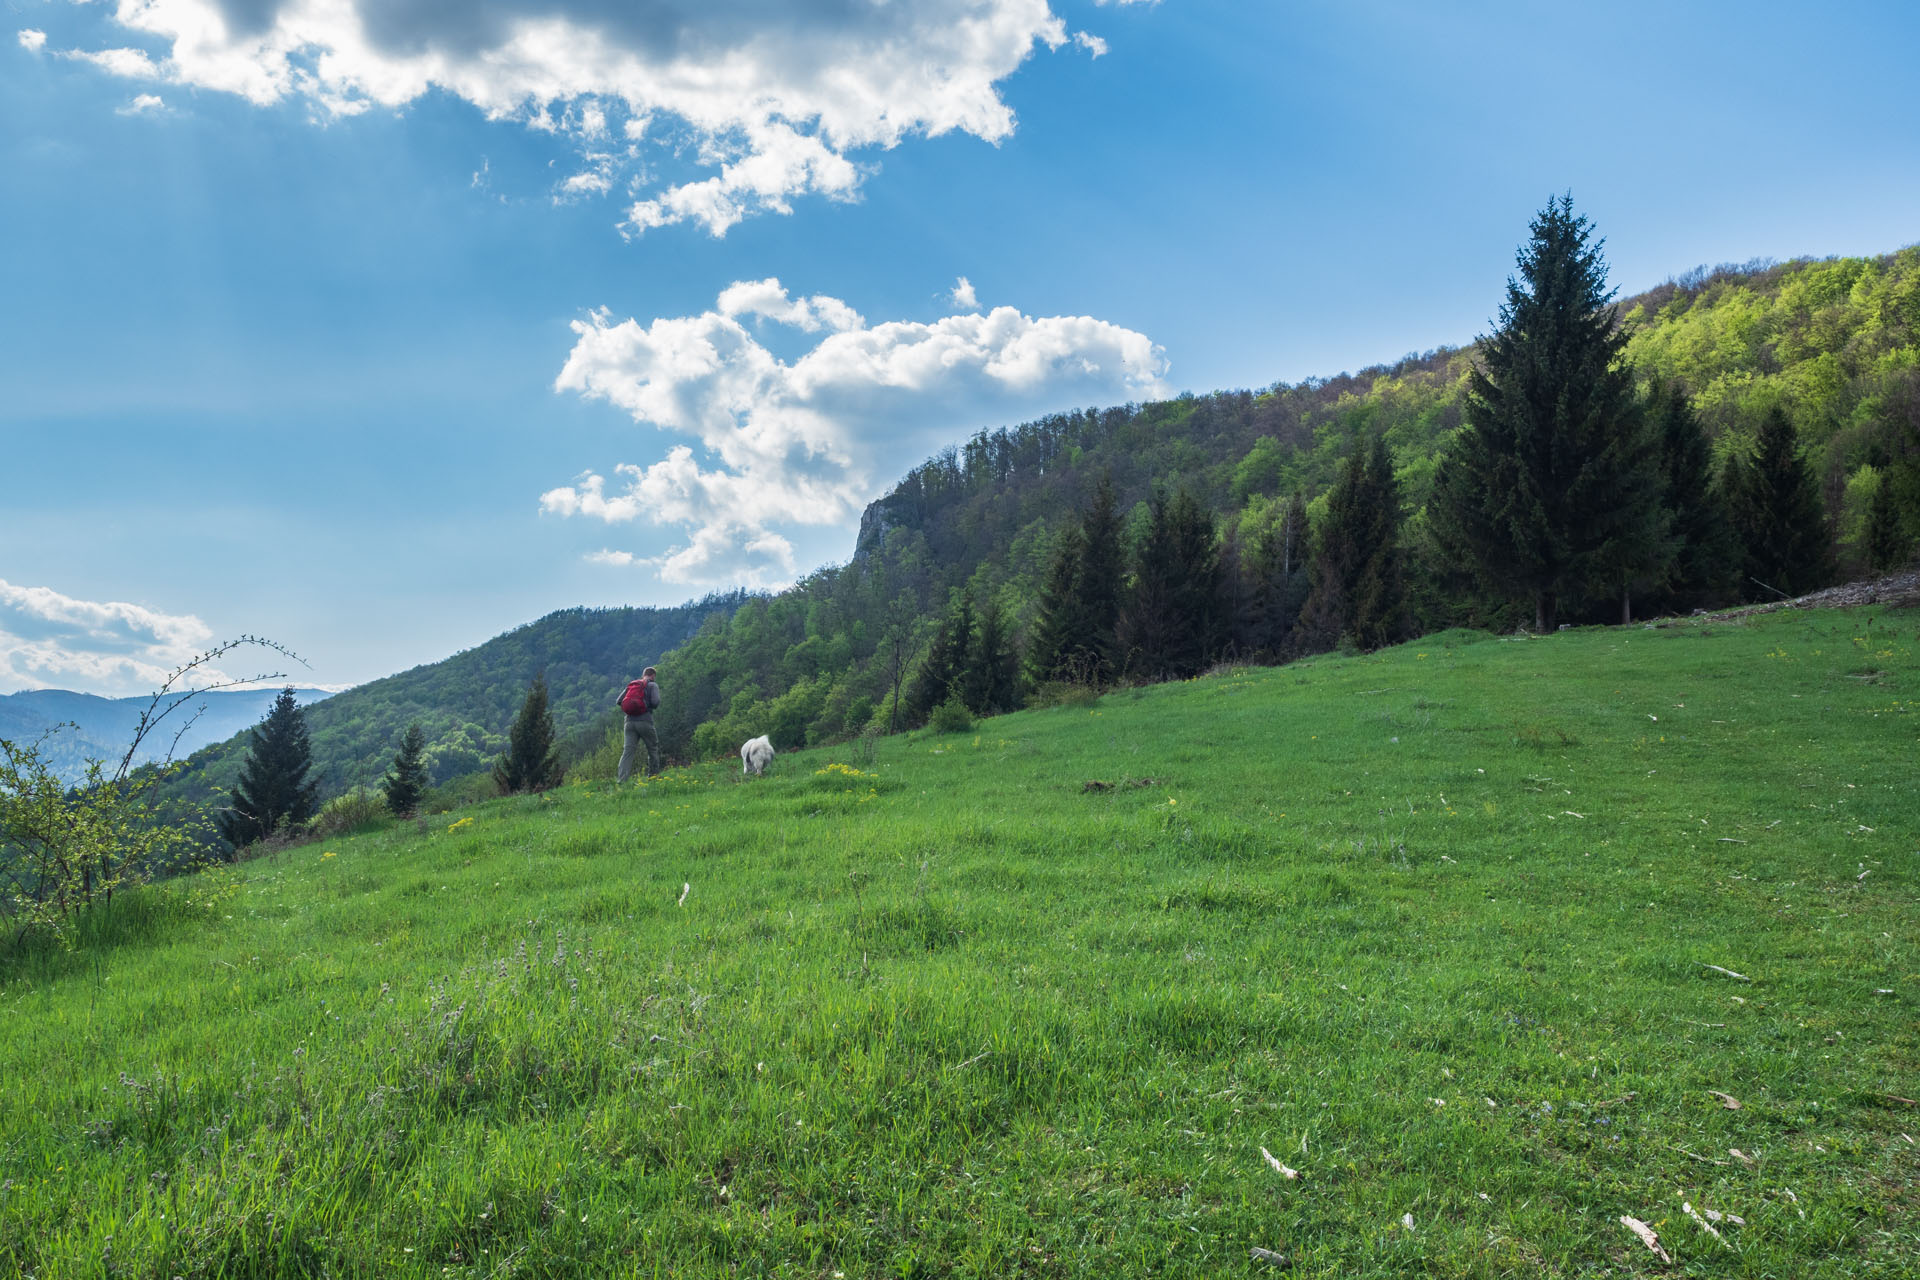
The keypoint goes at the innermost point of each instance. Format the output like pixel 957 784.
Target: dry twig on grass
pixel 1647 1236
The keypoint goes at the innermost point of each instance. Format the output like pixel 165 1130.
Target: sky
pixel 380 327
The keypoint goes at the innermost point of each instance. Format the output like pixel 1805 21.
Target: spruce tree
pixel 1100 585
pixel 1074 636
pixel 1702 559
pixel 1379 608
pixel 1887 549
pixel 1051 639
pixel 532 761
pixel 943 672
pixel 1241 606
pixel 408 781
pixel 1280 578
pixel 1357 590
pixel 1549 492
pixel 273 793
pixel 1777 516
pixel 992 682
pixel 1169 626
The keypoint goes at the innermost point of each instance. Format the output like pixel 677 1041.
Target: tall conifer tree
pixel 1777 515
pixel 1051 640
pixel 1701 558
pixel 1886 547
pixel 1358 592
pixel 532 760
pixel 273 792
pixel 408 780
pixel 943 672
pixel 993 673
pixel 1169 626
pixel 1280 577
pixel 1549 492
pixel 1101 583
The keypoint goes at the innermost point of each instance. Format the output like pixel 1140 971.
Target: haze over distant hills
pixel 97 728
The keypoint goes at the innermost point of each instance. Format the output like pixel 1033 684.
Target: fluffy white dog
pixel 756 754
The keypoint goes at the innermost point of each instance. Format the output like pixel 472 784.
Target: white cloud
pixel 773 95
pixel 775 444
pixel 54 641
pixel 32 41
pixel 768 300
pixel 143 104
pixel 133 64
pixel 1091 43
pixel 963 297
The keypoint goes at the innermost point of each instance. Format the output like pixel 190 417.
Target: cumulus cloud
pixel 54 641
pixel 963 297
pixel 142 105
pixel 1091 43
pixel 772 443
pixel 773 95
pixel 32 41
pixel 133 64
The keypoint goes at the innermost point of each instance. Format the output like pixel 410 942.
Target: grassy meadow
pixel 1445 930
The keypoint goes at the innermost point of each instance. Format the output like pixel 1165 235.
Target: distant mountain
pixel 466 703
pixel 99 728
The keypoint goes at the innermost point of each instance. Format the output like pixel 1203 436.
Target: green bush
pixel 950 716
pixel 355 810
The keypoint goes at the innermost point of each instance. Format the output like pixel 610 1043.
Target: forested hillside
pixel 465 703
pixel 964 551
pixel 1835 344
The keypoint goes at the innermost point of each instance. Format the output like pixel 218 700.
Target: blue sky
pixel 380 329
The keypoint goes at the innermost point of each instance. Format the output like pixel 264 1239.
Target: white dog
pixel 756 754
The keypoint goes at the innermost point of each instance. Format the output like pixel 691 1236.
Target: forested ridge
pixel 1832 346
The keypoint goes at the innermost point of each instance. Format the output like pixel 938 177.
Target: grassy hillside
pixel 1446 929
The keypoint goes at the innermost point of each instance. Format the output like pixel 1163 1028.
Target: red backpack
pixel 639 698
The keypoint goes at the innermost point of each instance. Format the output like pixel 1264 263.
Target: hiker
pixel 641 697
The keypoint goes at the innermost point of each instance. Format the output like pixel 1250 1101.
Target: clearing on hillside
pixel 1577 956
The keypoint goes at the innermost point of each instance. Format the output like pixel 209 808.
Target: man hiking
pixel 641 697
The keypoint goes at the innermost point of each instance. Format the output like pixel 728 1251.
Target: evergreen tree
pixel 992 682
pixel 1280 579
pixel 1169 626
pixel 1240 607
pixel 273 792
pixel 1887 549
pixel 408 781
pixel 1051 640
pixel 1777 515
pixel 1101 584
pixel 1702 558
pixel 1357 591
pixel 1549 491
pixel 1074 637
pixel 943 672
pixel 532 760
pixel 1379 616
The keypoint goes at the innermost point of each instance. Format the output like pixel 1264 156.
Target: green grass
pixel 1433 927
